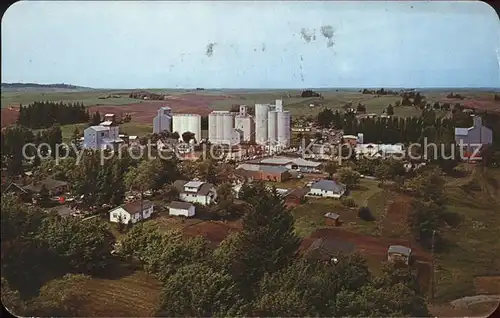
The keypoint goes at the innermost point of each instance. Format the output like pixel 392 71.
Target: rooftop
pixel 461 131
pixel 328 185
pixel 194 184
pixel 99 128
pixel 135 207
pixel 48 183
pixel 180 205
pixel 331 215
pixel 398 249
pixel 106 123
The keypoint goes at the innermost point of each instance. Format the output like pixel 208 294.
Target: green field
pixel 474 247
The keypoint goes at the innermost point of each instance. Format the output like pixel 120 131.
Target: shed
pixel 178 208
pixel 398 253
pixel 332 219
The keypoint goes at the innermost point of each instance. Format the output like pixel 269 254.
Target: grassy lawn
pixel 135 129
pixel 474 246
pixel 128 293
pixel 367 188
pixel 310 215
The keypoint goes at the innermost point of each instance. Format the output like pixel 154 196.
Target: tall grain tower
pixel 261 123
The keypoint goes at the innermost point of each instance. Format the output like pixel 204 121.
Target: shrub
pixel 365 214
pixel 348 202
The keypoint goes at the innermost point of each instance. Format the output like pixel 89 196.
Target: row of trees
pixel 14 138
pixel 45 114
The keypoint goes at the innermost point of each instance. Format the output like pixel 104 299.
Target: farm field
pixel 127 292
pixel 202 102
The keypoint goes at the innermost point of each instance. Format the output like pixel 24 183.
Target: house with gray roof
pixel 196 191
pixel 398 253
pixel 473 137
pixel 327 188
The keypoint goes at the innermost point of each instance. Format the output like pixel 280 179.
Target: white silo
pixel 261 111
pixel 272 131
pixel 187 123
pixel 227 127
pixel 212 127
pixel 283 124
pixel 247 126
pixel 220 129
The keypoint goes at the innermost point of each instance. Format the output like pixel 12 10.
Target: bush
pixel 348 202
pixel 365 214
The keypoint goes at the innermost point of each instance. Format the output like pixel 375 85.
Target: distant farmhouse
pixel 473 137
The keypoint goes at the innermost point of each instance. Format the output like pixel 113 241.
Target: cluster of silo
pixel 162 121
pixel 220 127
pixel 272 124
pixel 182 123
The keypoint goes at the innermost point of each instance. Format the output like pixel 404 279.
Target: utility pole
pixel 433 264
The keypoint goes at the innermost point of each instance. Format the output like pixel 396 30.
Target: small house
pixel 332 219
pixel 195 191
pixel 54 187
pixel 326 249
pixel 327 188
pixel 177 208
pixel 131 212
pixel 296 196
pixel 398 253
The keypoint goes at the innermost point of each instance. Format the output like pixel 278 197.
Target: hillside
pixel 34 87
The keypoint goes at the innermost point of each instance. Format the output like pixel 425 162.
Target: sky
pixel 188 44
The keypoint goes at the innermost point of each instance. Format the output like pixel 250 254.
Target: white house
pixel 131 212
pixel 327 188
pixel 196 191
pixel 380 150
pixel 474 136
pixel 177 208
pixel 102 136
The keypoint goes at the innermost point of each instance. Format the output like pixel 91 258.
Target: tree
pixel 62 297
pixel 187 136
pixel 390 110
pixel 199 291
pixel 83 246
pixel 141 179
pixel 349 177
pixel 330 168
pixel 425 217
pixel 12 300
pixel 365 214
pixel 267 241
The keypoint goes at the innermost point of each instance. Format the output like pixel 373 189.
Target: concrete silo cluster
pixel 272 125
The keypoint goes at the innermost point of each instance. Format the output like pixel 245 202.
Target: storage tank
pixel 212 127
pixel 261 111
pixel 272 132
pixel 227 127
pixel 187 122
pixel 283 126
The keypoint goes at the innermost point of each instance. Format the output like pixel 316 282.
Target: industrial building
pixel 163 120
pixel 221 128
pixel 102 136
pixel 229 128
pixel 272 125
pixel 246 124
pixel 182 123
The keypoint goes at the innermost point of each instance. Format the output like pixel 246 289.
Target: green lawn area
pixel 127 294
pixel 474 248
pixel 310 215
pixel 135 129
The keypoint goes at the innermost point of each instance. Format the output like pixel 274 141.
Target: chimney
pixel 478 121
